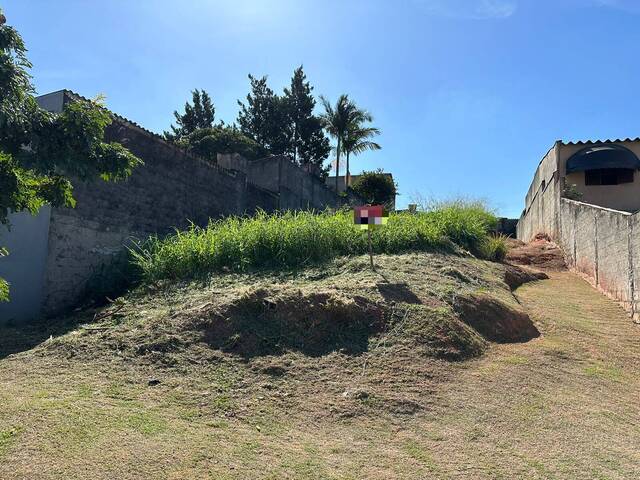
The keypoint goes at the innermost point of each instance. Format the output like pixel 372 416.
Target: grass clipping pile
pixel 436 305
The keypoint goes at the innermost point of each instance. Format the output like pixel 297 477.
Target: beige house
pixel 586 197
pixel 601 173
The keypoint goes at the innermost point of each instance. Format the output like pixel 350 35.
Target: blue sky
pixel 469 94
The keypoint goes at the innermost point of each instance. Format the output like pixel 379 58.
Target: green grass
pixel 296 239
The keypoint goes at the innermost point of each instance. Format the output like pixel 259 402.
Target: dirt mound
pixel 407 304
pixel 515 276
pixel 494 319
pixel 263 322
pixel 539 253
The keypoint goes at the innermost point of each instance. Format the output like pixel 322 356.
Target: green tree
pixel 199 115
pixel 308 145
pixel 358 140
pixel 337 121
pixel 208 142
pixel 264 117
pixel 40 151
pixel 375 188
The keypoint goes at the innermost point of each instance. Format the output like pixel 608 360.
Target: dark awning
pixel 604 156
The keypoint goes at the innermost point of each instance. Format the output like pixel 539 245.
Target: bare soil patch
pixel 540 253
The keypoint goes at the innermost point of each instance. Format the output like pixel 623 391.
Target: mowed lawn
pixel 565 406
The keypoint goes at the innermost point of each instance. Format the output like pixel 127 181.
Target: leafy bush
pixel 208 142
pixel 375 187
pixel 296 239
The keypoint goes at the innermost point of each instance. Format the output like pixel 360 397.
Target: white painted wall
pixel 24 267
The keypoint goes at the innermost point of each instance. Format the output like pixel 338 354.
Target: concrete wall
pixel 625 196
pixel 542 200
pixel 24 267
pixel 599 243
pixel 297 190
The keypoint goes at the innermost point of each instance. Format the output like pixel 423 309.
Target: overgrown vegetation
pixel 295 239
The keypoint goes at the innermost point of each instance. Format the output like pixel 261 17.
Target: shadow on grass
pixel 17 337
pixel 260 323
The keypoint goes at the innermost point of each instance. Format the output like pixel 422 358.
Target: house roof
pixel 586 142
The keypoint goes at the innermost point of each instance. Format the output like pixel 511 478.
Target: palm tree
pixel 336 120
pixel 358 140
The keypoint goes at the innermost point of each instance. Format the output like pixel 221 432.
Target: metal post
pixel 370 248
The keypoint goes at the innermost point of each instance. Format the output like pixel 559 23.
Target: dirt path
pixel 566 405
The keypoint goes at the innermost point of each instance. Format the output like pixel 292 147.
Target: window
pixel 608 176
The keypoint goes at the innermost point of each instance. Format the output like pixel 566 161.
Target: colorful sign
pixel 370 217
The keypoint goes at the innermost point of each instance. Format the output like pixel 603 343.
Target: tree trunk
pixel 337 164
pixel 347 178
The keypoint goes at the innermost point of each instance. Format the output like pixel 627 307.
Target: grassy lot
pixel 564 405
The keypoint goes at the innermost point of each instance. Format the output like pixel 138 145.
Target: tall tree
pixel 264 117
pixel 307 143
pixel 199 115
pixel 39 150
pixel 358 140
pixel 337 121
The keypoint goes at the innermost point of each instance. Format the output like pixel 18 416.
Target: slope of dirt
pixel 331 372
pixel 343 307
pixel 495 320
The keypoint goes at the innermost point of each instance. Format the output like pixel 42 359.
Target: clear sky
pixel 469 94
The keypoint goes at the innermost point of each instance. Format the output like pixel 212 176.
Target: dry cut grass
pixel 561 406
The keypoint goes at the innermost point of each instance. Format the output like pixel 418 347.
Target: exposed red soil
pixel 540 253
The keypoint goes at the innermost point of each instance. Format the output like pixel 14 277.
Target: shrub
pixel 208 142
pixel 571 192
pixel 375 187
pixel 494 248
pixel 295 239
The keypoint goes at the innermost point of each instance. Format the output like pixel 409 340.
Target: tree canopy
pixel 199 115
pixel 208 142
pixel 375 188
pixel 286 124
pixel 308 145
pixel 264 117
pixel 41 151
